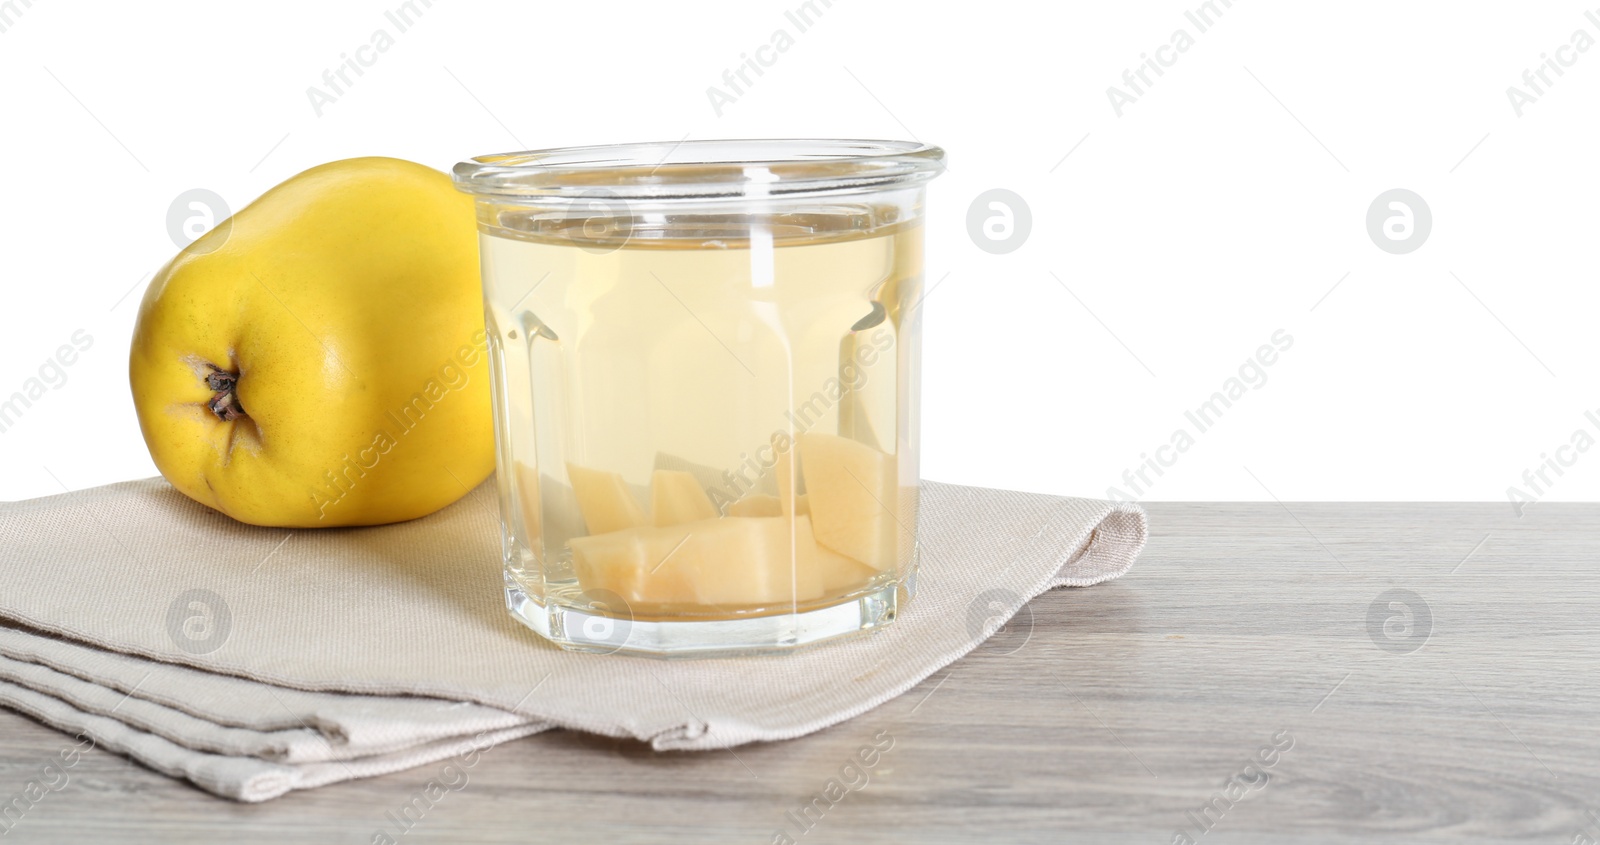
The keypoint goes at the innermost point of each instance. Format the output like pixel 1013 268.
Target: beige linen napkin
pixel 254 661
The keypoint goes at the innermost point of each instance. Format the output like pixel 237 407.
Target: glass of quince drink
pixel 707 360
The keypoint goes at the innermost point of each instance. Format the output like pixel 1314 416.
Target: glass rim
pixel 701 169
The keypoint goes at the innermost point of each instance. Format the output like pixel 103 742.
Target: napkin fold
pixel 254 661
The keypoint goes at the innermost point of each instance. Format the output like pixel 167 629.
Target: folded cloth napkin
pixel 254 661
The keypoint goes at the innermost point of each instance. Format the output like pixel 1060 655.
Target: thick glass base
pixel 583 629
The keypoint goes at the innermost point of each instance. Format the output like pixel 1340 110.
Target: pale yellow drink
pixel 706 426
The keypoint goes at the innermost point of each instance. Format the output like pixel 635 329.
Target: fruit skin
pixel 348 302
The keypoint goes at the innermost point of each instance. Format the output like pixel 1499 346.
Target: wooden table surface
pixel 1255 661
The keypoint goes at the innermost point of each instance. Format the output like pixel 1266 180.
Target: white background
pixel 1221 206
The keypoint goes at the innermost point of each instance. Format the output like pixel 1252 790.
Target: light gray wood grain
pixel 1120 710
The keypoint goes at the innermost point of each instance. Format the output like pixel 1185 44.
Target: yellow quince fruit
pixel 320 359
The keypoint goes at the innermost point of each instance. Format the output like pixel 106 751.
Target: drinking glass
pixel 706 361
